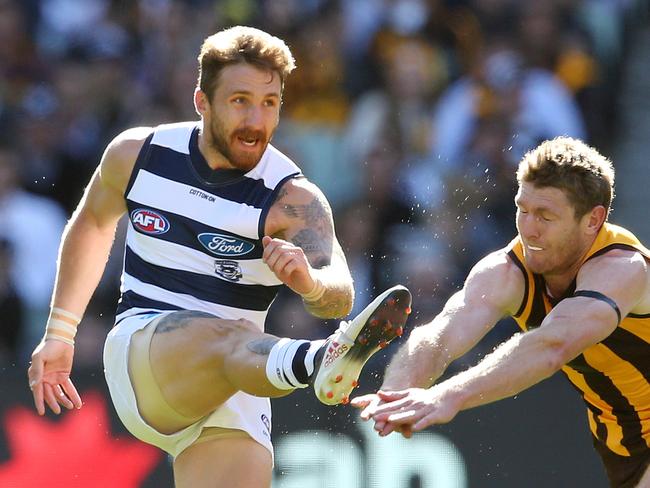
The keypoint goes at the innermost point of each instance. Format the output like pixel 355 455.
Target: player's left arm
pixel 302 250
pixel 616 280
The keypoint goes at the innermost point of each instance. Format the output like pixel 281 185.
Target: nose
pixel 528 226
pixel 255 117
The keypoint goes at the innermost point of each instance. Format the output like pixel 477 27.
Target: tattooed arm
pixel 303 250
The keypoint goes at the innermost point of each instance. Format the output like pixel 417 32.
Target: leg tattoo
pixel 262 346
pixel 179 320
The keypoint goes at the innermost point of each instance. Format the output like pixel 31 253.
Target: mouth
pixel 534 248
pixel 248 141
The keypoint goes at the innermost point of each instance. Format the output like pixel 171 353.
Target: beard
pixel 223 143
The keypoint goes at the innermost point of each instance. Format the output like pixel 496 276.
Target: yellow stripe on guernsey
pixel 613 376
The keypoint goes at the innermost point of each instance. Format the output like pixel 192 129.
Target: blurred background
pixel 411 115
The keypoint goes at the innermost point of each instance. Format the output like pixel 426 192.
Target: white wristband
pixel 316 292
pixel 61 326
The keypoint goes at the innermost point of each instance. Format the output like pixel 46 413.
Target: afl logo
pixel 225 246
pixel 149 222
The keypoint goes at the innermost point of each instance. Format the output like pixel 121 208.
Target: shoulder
pixel 621 274
pixel 127 144
pixel 298 201
pixel 497 264
pixel 496 278
pixel 121 154
pixel 300 190
pixel 629 260
pixel 614 266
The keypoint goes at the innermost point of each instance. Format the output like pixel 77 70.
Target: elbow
pixel 558 353
pixel 555 361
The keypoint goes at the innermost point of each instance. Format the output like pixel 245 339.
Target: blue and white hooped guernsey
pixel 194 235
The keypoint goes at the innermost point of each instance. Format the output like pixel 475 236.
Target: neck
pixel 214 158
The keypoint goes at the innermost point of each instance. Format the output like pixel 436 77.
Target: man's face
pixel 554 241
pixel 243 115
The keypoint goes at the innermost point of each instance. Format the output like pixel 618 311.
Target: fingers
pixel 370 406
pixel 391 396
pixel 289 263
pixel 71 392
pixel 405 417
pixel 278 253
pixel 50 398
pixel 37 392
pixel 35 377
pixel 363 400
pixel 385 410
pixel 426 421
pixel 62 398
pixel 406 431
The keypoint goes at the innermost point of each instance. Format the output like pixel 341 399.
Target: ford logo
pixel 149 222
pixel 225 246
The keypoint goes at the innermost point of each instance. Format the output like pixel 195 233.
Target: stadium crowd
pixel 411 115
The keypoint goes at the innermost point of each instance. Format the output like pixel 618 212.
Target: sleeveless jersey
pixel 194 235
pixel 612 376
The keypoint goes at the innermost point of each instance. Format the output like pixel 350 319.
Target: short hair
pixel 585 175
pixel 242 44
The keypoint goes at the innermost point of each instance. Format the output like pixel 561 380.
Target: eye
pixel 238 100
pixel 270 103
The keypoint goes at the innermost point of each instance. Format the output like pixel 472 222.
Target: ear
pixel 201 103
pixel 595 219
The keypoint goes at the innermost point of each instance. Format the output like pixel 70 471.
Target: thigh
pixel 232 462
pixel 187 354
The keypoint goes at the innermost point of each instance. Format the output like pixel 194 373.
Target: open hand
pixel 368 404
pixel 49 377
pixel 409 410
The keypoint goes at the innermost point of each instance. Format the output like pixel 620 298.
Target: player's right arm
pixel 493 289
pixel 83 254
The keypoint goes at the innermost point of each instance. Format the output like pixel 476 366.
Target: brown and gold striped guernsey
pixel 612 376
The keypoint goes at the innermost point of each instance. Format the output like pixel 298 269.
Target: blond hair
pixel 242 44
pixel 585 175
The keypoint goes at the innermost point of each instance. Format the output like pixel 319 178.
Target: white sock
pixel 279 365
pixel 314 347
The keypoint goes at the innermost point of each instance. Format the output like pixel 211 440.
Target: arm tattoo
pixel 262 346
pixel 312 212
pixel 180 320
pixel 311 243
pixel 333 304
pixel 315 233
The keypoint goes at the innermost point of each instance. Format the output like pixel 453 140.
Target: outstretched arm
pixel 303 251
pixel 573 325
pixel 83 255
pixel 493 289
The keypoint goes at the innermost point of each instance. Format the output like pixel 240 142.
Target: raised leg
pixel 186 364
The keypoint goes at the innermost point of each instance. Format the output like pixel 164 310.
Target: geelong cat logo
pixel 225 246
pixel 228 269
pixel 149 222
